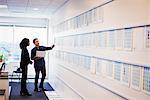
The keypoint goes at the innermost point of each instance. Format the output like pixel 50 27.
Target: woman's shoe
pixel 22 93
pixel 25 94
pixel 28 94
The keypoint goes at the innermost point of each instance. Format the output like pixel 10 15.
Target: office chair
pixel 18 73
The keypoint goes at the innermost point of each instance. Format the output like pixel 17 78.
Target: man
pixel 39 64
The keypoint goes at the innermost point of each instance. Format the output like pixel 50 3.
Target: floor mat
pixel 15 92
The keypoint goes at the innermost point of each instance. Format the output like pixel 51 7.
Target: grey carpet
pixel 15 92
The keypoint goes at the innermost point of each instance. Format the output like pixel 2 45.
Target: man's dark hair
pixel 24 43
pixel 35 40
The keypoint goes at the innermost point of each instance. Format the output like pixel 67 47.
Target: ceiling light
pixel 3 6
pixel 35 9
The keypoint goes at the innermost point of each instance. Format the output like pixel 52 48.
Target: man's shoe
pixel 37 90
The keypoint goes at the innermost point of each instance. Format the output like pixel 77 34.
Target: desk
pixel 4 83
pixel 2 94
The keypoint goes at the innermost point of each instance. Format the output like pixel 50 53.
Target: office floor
pixel 15 92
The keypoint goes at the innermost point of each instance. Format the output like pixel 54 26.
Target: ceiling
pixel 30 8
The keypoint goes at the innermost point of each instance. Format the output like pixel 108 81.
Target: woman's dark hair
pixel 24 43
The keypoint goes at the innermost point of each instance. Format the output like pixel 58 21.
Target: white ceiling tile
pixel 17 2
pixel 40 9
pixel 57 3
pixel 39 2
pixel 17 5
pixel 36 15
pixel 25 7
pixel 3 2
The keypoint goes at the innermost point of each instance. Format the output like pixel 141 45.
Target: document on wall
pixel 128 39
pixel 148 37
pixel 136 77
pixel 40 54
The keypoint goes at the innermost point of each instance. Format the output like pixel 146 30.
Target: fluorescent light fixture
pixel 3 6
pixel 35 9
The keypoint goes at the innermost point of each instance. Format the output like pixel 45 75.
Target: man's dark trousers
pixel 37 72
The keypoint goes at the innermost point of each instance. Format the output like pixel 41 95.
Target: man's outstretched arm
pixel 49 48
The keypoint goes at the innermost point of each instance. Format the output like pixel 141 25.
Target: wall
pixel 118 14
pixel 20 21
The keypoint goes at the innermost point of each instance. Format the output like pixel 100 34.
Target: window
pixel 6 42
pixel 11 36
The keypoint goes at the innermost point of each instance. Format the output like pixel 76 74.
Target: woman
pixel 25 60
